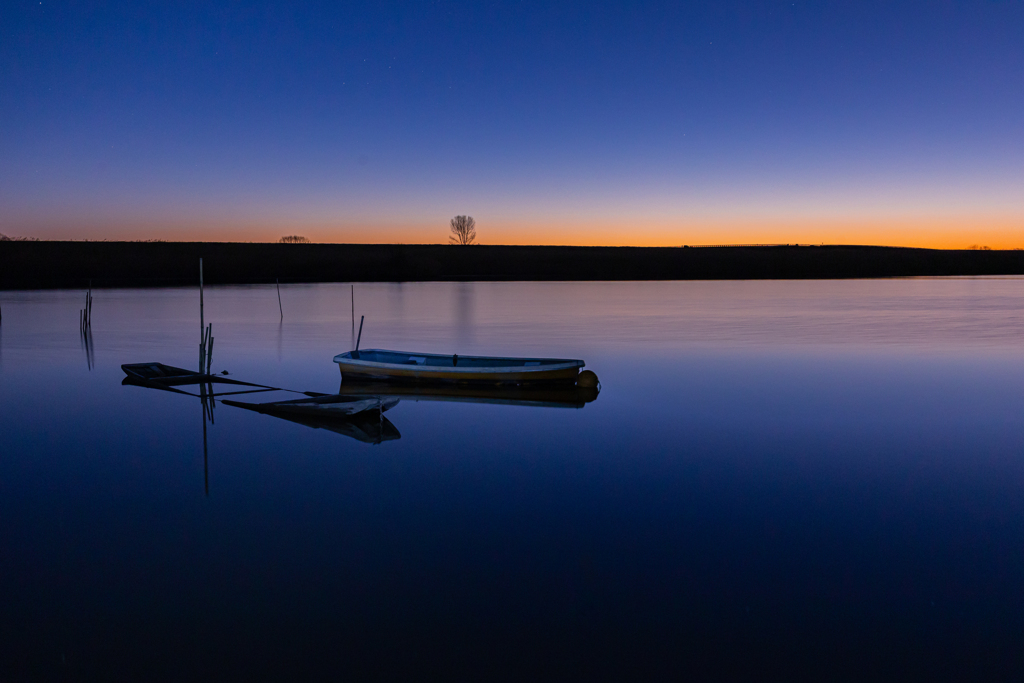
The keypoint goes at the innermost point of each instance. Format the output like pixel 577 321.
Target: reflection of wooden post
pixel 202 321
pixel 206 470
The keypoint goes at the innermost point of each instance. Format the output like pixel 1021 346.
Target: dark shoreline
pixel 45 265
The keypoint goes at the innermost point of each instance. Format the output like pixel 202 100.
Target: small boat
pixel 381 365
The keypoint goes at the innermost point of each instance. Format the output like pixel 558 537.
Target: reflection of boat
pixel 358 417
pixel 537 395
pixel 400 366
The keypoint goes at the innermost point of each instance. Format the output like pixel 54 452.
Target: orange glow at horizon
pixel 949 233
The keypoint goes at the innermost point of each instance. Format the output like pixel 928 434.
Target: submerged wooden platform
pixel 361 418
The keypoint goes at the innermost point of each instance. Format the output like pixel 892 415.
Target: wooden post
pixel 278 281
pixel 353 310
pixel 85 313
pixel 361 319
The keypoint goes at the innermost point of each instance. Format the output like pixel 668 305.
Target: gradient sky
pixel 556 123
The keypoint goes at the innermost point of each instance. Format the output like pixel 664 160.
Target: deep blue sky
pixel 599 121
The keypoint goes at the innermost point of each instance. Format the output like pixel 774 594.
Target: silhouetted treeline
pixel 31 265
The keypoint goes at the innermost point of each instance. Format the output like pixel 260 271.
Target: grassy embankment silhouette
pixel 42 264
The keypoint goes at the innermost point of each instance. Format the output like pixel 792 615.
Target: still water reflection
pixel 810 479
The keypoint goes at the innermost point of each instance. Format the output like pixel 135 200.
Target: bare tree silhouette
pixel 293 239
pixel 463 230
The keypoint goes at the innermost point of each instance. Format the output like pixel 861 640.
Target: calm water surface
pixel 817 480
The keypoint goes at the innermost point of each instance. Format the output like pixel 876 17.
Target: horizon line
pixel 307 242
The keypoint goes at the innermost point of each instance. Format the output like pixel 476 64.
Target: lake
pixel 802 479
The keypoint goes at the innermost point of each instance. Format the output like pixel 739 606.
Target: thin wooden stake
pixel 207 349
pixel 278 281
pixel 361 319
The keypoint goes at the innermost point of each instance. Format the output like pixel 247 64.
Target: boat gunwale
pixel 544 364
